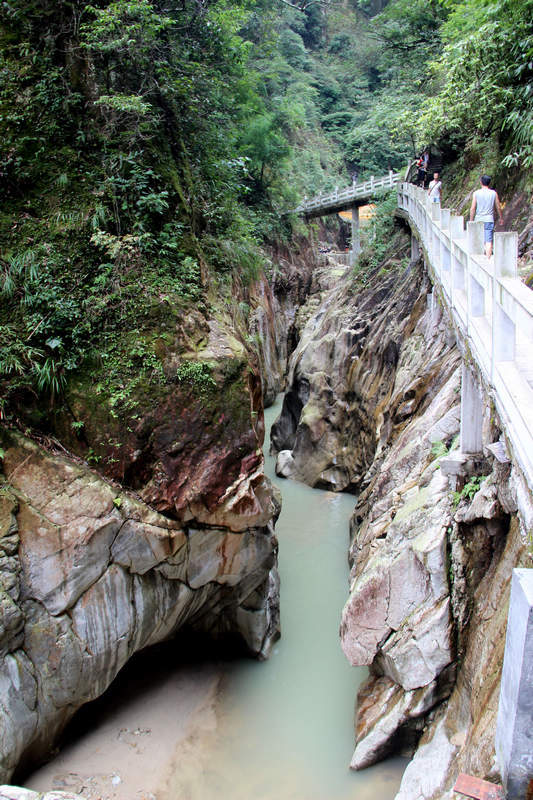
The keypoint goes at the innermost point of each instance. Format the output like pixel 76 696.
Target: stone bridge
pixel 350 198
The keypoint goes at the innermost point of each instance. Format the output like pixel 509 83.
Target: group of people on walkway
pixel 485 204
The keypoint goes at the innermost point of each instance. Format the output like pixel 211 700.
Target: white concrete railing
pixel 359 191
pixel 491 307
pixel 340 258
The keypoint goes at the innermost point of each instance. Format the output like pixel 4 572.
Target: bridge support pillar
pixel 514 731
pixel 471 436
pixel 356 242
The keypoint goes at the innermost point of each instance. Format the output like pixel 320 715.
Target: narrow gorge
pixel 245 548
pixel 93 573
pixel 373 407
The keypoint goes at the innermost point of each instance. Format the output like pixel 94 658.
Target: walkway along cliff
pixel 374 406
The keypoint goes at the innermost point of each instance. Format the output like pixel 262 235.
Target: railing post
pixel 371 182
pixel 433 209
pixel 471 433
pixel 514 749
pixel 445 248
pixel 503 335
pixel 457 231
pixel 476 299
pixel 415 248
pixel 503 327
pixel 457 227
pixel 506 255
pixel 474 236
pixel 390 177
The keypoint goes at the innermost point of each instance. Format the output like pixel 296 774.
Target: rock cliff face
pixel 90 575
pixel 275 322
pixel 341 379
pixel 172 527
pixel 373 407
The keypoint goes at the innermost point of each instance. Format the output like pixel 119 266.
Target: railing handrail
pixel 490 306
pixel 353 192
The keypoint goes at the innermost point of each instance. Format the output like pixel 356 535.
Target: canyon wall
pixel 169 525
pixel 373 406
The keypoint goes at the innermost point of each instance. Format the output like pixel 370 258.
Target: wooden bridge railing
pixel 490 306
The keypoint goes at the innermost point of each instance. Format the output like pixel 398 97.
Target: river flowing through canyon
pixel 240 729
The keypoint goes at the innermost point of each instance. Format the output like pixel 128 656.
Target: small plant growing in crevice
pixel 439 449
pixel 468 491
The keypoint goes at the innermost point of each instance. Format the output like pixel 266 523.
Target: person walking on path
pixel 421 166
pixel 484 201
pixel 434 188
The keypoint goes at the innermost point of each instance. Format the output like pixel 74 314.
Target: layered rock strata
pixel 90 575
pixel 341 380
pixel 487 539
pixel 175 528
pixel 280 308
pixel 430 579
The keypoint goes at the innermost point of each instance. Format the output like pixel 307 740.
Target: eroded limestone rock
pixel 398 612
pixel 90 574
pixel 341 376
pixel 374 386
pixel 391 719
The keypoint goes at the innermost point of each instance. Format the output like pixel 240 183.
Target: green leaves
pixel 485 76
pixel 471 487
pixel 127 104
pixel 197 374
pixel 130 27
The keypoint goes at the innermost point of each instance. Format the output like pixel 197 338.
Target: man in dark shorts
pixel 484 201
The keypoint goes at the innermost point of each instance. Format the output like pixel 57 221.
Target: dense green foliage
pixel 148 148
pixel 484 77
pixel 128 165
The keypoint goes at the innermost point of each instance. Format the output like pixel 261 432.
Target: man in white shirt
pixel 484 202
pixel 434 188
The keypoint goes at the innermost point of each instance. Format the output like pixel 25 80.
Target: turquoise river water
pixel 285 727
